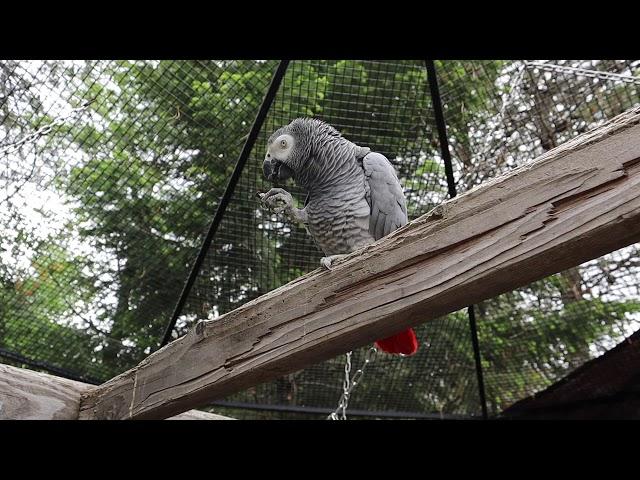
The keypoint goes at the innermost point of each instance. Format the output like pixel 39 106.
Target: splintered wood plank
pixel 572 204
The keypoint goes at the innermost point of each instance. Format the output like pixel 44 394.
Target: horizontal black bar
pixel 355 413
pixel 61 372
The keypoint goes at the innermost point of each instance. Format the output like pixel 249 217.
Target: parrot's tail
pixel 404 343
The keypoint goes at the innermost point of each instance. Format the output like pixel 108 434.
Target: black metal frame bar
pixel 61 372
pixel 438 112
pixel 478 360
pixel 436 102
pixel 228 193
pixel 327 411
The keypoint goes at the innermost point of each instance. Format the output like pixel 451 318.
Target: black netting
pixel 103 216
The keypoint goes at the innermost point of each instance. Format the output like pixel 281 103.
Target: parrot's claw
pixel 326 262
pixel 277 200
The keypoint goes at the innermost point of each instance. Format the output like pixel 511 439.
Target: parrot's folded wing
pixel 384 195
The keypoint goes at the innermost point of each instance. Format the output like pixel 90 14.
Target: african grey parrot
pixel 354 196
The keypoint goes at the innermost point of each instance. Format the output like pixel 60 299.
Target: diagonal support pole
pixel 228 193
pixel 448 168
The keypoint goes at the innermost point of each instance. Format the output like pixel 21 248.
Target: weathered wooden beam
pixel 572 204
pixel 29 395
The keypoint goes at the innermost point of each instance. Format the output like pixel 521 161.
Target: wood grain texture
pixel 29 395
pixel 576 202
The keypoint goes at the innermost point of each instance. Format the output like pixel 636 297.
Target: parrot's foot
pixel 326 262
pixel 278 200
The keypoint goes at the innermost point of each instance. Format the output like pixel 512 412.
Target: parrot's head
pixel 290 150
pixel 280 157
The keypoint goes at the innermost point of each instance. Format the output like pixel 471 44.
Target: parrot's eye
pixel 283 143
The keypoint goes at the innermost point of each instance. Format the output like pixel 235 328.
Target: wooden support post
pixel 572 204
pixel 29 395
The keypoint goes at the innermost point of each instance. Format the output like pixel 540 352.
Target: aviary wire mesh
pixel 103 216
pixel 604 388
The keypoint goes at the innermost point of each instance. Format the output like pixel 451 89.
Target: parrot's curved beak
pixel 276 170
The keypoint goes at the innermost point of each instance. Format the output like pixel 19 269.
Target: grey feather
pixel 384 195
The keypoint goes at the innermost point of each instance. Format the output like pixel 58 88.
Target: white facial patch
pixel 281 147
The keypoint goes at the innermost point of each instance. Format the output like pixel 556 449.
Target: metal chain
pixel 349 383
pixel 44 130
pixel 551 67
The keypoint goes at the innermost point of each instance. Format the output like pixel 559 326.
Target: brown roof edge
pixel 606 386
